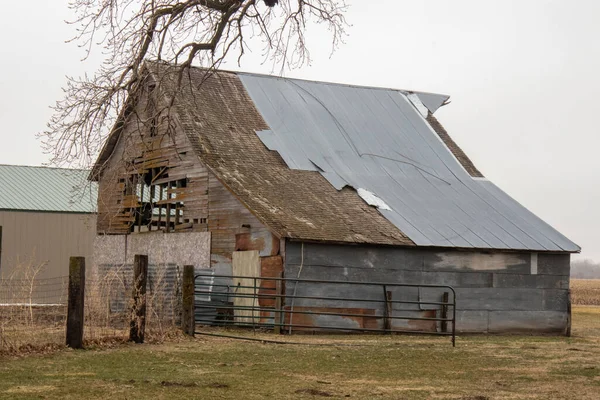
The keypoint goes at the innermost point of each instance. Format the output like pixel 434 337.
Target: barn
pixel 325 182
pixel 46 216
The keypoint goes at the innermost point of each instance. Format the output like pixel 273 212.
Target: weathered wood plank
pixel 531 281
pixel 527 321
pixel 554 264
pixel 75 303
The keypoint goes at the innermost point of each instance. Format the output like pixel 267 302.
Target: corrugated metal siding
pixel 376 140
pixel 46 189
pixel 45 237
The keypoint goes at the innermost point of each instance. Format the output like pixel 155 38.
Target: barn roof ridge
pixel 275 76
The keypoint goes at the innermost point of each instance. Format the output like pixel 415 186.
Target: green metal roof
pixel 24 188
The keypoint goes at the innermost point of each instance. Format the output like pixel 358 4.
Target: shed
pixel 325 181
pixel 46 216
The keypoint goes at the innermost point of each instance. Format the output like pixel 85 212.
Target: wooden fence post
pixel 569 320
pixel 188 321
pixel 75 316
pixel 137 325
pixel 445 299
pixel 387 312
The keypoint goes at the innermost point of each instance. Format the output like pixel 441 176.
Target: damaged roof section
pixel 381 142
pixel 221 123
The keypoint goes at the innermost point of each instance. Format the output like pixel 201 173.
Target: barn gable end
pixel 153 181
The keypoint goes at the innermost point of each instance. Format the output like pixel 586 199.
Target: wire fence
pixel 33 312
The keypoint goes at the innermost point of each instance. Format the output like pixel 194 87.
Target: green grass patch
pixel 360 367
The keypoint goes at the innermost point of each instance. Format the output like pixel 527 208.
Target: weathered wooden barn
pixel 46 216
pixel 325 181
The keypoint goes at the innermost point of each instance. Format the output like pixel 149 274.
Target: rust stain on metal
pixel 423 325
pixel 263 241
pixel 365 320
pixel 270 267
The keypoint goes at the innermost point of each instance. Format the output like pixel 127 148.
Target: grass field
pixel 360 367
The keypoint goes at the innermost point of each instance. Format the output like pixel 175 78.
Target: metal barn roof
pixel 380 142
pixel 24 188
pixel 339 163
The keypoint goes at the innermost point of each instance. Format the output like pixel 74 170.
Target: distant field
pixel 481 367
pixel 585 291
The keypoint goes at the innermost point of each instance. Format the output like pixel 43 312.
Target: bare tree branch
pixel 180 32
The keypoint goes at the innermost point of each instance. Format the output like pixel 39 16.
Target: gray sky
pixel 522 76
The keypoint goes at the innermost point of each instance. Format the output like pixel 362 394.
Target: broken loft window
pixel 153 202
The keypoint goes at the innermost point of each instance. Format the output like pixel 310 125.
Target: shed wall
pixel 495 292
pixel 41 237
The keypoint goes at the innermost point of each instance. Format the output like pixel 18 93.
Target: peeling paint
pixel 477 261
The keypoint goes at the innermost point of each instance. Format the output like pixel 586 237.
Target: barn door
pixel 246 264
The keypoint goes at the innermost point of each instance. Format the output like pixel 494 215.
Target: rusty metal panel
pixel 262 240
pixel 484 283
pixel 367 319
pixel 270 267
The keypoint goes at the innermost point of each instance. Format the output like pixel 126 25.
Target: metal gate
pixel 287 305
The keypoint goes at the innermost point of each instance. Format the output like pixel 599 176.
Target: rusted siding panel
pixel 264 241
pixel 495 292
pixel 308 322
pixel 34 237
pixel 270 267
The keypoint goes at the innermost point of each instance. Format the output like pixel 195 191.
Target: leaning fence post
pixel 75 315
pixel 137 325
pixel 188 322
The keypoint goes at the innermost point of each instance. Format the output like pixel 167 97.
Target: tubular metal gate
pixel 288 305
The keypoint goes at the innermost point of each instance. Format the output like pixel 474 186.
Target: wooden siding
pixel 168 155
pixel 50 238
pixel 206 204
pixel 227 217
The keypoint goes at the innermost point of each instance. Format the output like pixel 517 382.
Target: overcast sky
pixel 522 76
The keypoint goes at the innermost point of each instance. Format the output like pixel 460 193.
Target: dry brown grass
pixel 33 311
pixel 481 367
pixel 585 291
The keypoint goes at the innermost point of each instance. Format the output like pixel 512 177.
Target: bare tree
pixel 180 32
